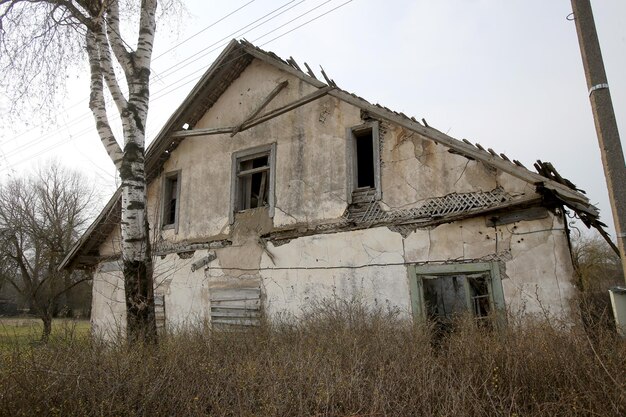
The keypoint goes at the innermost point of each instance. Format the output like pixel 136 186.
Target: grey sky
pixel 506 74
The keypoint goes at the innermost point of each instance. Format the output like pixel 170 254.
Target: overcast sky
pixel 506 74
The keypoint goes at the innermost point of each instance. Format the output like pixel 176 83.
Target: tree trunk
pixel 136 254
pixel 103 42
pixel 46 317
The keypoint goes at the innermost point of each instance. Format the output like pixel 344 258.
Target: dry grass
pixel 337 362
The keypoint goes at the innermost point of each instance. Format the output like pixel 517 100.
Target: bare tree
pixel 598 268
pixel 40 218
pixel 39 41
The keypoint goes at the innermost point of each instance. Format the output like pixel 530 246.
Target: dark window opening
pixel 171 200
pixel 479 296
pixel 253 182
pixel 364 159
pixel 448 296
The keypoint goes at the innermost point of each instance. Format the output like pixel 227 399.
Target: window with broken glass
pixel 442 292
pixel 253 179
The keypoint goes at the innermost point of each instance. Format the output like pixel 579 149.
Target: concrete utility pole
pixel 608 138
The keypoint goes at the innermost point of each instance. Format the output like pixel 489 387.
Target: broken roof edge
pixel 155 150
pixel 100 220
pixel 433 134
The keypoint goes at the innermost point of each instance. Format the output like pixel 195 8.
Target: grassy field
pixel 343 363
pixel 21 331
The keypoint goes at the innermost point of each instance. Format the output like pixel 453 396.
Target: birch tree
pixel 39 41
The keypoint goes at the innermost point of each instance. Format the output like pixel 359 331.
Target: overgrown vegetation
pixel 598 268
pixel 338 361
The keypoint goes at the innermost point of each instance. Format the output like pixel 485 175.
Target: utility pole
pixel 608 138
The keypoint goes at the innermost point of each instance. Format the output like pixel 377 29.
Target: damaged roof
pixel 229 65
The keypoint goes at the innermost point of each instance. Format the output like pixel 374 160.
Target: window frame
pixel 242 156
pixel 166 190
pixel 417 274
pixel 351 161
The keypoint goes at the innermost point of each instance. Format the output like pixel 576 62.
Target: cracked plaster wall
pixel 108 308
pixel 112 244
pixel 367 265
pixel 307 189
pixel 288 292
pixel 537 278
pixel 415 168
pixel 538 268
pixel 311 187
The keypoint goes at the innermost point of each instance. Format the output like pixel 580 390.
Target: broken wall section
pixel 414 169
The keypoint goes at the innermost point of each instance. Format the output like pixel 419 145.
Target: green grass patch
pixel 23 331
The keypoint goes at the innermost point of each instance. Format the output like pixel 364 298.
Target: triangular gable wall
pixel 235 59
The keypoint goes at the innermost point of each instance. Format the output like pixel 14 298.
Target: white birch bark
pixel 98 23
pixel 104 42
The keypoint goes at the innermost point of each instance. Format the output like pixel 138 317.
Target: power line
pixel 88 115
pixel 202 30
pixel 154 59
pixel 203 68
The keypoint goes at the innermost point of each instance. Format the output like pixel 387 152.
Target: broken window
pixel 253 179
pixel 364 151
pixel 364 159
pixel 171 193
pixel 443 292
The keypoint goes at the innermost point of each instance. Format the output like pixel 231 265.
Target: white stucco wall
pixel 108 308
pixel 308 270
pixel 311 188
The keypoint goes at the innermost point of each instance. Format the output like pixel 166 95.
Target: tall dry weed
pixel 339 360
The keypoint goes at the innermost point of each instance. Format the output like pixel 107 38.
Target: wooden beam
pixel 310 71
pixel 261 106
pixel 281 65
pixel 201 132
pixel 291 106
pixel 262 119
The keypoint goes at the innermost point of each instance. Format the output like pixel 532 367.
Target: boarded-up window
pixel 236 306
pixel 159 312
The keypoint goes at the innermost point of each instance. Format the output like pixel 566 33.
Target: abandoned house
pixel 269 189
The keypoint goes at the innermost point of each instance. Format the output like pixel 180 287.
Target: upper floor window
pixel 364 158
pixel 253 179
pixel 171 197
